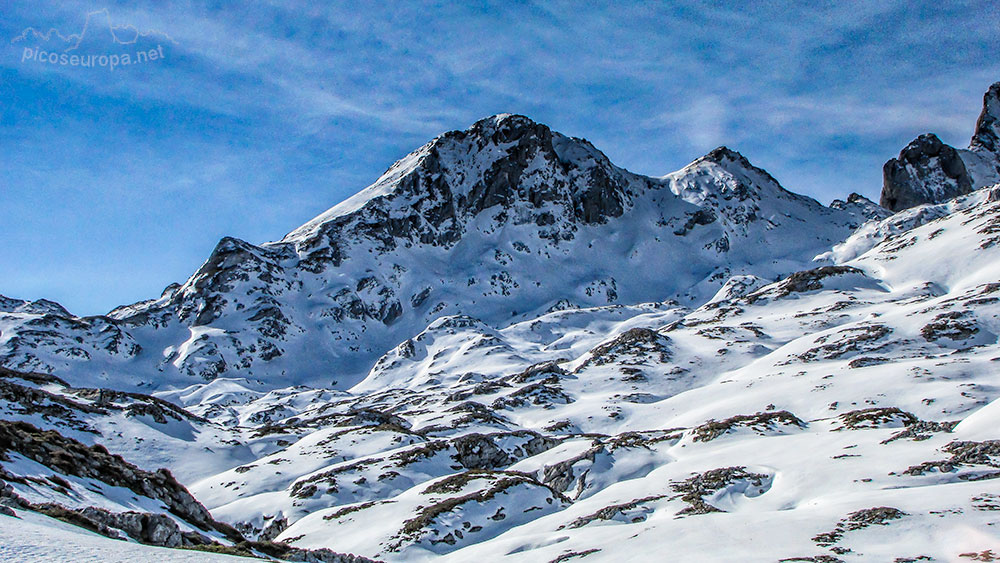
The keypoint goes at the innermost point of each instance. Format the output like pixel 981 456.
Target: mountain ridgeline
pixel 503 221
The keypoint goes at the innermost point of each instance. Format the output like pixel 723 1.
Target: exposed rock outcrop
pixel 987 135
pixel 930 171
pixel 926 171
pixel 69 457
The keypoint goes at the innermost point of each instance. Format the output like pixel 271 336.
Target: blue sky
pixel 114 183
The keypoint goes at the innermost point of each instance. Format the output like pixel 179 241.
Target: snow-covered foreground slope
pixel 824 406
pixel 33 537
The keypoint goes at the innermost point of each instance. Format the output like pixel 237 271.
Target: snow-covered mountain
pixel 538 357
pixel 503 222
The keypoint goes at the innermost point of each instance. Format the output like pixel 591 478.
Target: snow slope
pixel 33 537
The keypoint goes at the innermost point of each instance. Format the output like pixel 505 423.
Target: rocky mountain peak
pixel 723 154
pixel 861 207
pixel 505 166
pixel 725 175
pixel 38 307
pixel 926 171
pixel 508 128
pixel 987 134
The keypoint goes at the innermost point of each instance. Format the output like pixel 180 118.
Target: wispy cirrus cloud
pixel 261 116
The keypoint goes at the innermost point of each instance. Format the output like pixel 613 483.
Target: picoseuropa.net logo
pixel 100 44
pixel 111 61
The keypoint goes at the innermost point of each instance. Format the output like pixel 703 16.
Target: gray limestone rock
pixel 926 171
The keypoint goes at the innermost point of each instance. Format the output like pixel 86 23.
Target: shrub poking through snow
pixel 964 453
pixel 614 511
pixel 878 516
pixel 693 489
pixel 876 417
pixel 763 423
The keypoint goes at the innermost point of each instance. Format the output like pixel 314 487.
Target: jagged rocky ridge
pixel 502 221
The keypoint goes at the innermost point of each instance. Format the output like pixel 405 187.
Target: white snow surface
pixel 33 537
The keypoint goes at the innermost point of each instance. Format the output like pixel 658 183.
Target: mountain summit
pixel 503 220
pixel 987 137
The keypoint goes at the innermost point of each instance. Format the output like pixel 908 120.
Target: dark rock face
pixel 987 135
pixel 926 171
pixel 152 529
pixel 598 195
pixel 561 476
pixel 929 171
pixel 477 451
pixel 700 217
